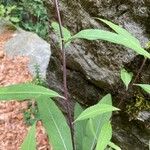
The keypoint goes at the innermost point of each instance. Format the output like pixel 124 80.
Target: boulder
pixel 23 43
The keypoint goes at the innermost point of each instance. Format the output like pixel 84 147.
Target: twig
pixel 140 70
pixel 67 102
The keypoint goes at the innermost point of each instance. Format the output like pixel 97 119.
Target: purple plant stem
pixel 67 102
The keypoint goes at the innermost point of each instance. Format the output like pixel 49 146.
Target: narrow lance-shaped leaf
pixel 95 110
pixel 79 127
pixel 126 77
pixel 25 91
pixel 145 87
pixel 89 135
pixel 114 146
pixel 99 121
pixel 55 124
pixel 134 41
pixel 97 34
pixel 104 137
pixel 91 127
pixel 29 142
pixel 120 31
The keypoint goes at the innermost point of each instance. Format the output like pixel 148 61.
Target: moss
pixel 139 103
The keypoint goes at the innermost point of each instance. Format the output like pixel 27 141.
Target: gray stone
pixel 99 61
pixel 29 44
pixel 144 116
pixel 130 135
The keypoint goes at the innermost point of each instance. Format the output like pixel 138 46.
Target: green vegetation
pixel 92 126
pixel 28 144
pixel 28 14
pixel 53 119
pixel 126 77
pixel 38 80
pixel 31 114
pixel 120 37
pixel 8 13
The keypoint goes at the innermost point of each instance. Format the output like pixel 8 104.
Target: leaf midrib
pixel 44 93
pixel 57 129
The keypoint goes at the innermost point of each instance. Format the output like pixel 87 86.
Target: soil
pixel 12 125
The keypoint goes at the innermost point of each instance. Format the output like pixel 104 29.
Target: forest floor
pixel 12 125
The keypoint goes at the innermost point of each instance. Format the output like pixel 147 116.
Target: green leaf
pixel 104 137
pixel 89 135
pixel 97 34
pixel 25 91
pixel 114 146
pixel 55 124
pixel 126 77
pixel 29 142
pixel 14 19
pixel 66 32
pixel 98 123
pixel 120 31
pixel 79 127
pixel 145 87
pixel 95 110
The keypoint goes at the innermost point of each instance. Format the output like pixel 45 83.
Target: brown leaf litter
pixel 12 126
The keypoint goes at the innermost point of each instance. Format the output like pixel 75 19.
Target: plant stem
pixel 67 102
pixel 140 70
pixel 135 79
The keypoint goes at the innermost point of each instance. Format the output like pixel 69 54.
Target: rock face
pixel 132 135
pixel 100 62
pixel 28 44
pixel 97 64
